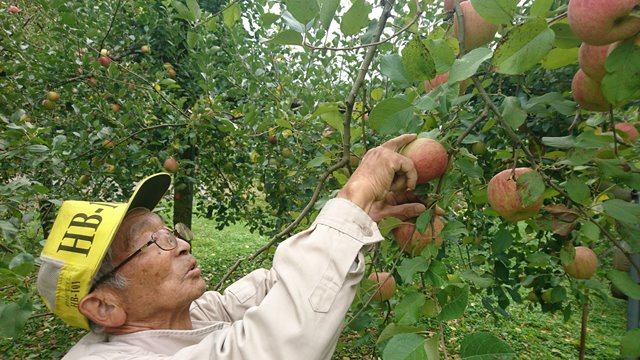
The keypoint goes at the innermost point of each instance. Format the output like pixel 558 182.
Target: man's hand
pixel 381 171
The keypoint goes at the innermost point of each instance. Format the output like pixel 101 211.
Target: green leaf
pixel 485 346
pixel 287 37
pixel 391 67
pixel 523 47
pixel 409 309
pixel 194 8
pixel 530 187
pixel 394 329
pixel 13 318
pixel 540 8
pixel 501 241
pixel 36 148
pixel 578 191
pixel 183 11
pixel 391 115
pixel 512 112
pixel 557 58
pixel 231 15
pixel 453 300
pixel 623 281
pixel 622 82
pixel 268 19
pixel 477 280
pixel 22 264
pixel 303 10
pixel 327 12
pixel 622 211
pixel 417 61
pixel 437 274
pixel 496 11
pixel 356 18
pixel 630 346
pixel 405 347
pixel 470 168
pixel 422 222
pixel 565 38
pixel 377 93
pixel 468 65
pixel 561 142
pixel 411 266
pixel 192 39
pixel 387 224
pixel 442 53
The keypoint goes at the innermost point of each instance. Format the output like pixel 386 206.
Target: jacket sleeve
pixel 299 310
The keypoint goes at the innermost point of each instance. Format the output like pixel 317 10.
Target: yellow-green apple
pixel 601 22
pixel 107 144
pixel 448 4
pixel 83 180
pixel 171 165
pixel 145 49
pixel 412 242
pixel 588 93
pixel 591 59
pixel 630 131
pixel 53 96
pixel 584 265
pixel 429 158
pixel 48 104
pixel 115 107
pixel 385 285
pixel 504 197
pixel 479 148
pixel 477 30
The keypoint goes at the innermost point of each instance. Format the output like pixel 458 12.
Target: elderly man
pixel 117 269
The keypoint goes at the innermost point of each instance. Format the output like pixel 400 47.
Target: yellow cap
pixel 79 240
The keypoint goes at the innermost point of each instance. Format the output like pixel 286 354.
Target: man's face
pixel 159 281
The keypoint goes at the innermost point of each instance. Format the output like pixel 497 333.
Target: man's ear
pixel 103 308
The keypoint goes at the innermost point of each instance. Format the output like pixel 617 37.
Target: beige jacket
pixel 294 311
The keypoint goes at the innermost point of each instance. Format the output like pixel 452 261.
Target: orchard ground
pixel 531 333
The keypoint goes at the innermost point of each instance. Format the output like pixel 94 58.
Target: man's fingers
pixel 406 167
pixel 405 211
pixel 399 141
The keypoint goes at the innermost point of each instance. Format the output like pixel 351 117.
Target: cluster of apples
pixel 430 159
pixel 601 25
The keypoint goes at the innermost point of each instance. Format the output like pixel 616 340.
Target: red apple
pixel 584 265
pixel 629 129
pixel 428 156
pixel 601 22
pixel 442 79
pixel 385 285
pixel 587 92
pixel 171 165
pixel 591 59
pixel 412 242
pixel 14 9
pixel 105 61
pixel 477 30
pixel 115 107
pixel 448 4
pixel 504 197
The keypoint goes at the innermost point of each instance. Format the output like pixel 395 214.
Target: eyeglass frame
pixel 173 233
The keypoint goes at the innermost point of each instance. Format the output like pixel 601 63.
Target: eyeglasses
pixel 166 240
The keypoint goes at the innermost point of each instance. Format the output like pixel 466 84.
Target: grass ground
pixel 531 333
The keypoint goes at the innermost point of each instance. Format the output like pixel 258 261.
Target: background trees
pixel 267 107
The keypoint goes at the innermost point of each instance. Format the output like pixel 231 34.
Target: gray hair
pixel 116 281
